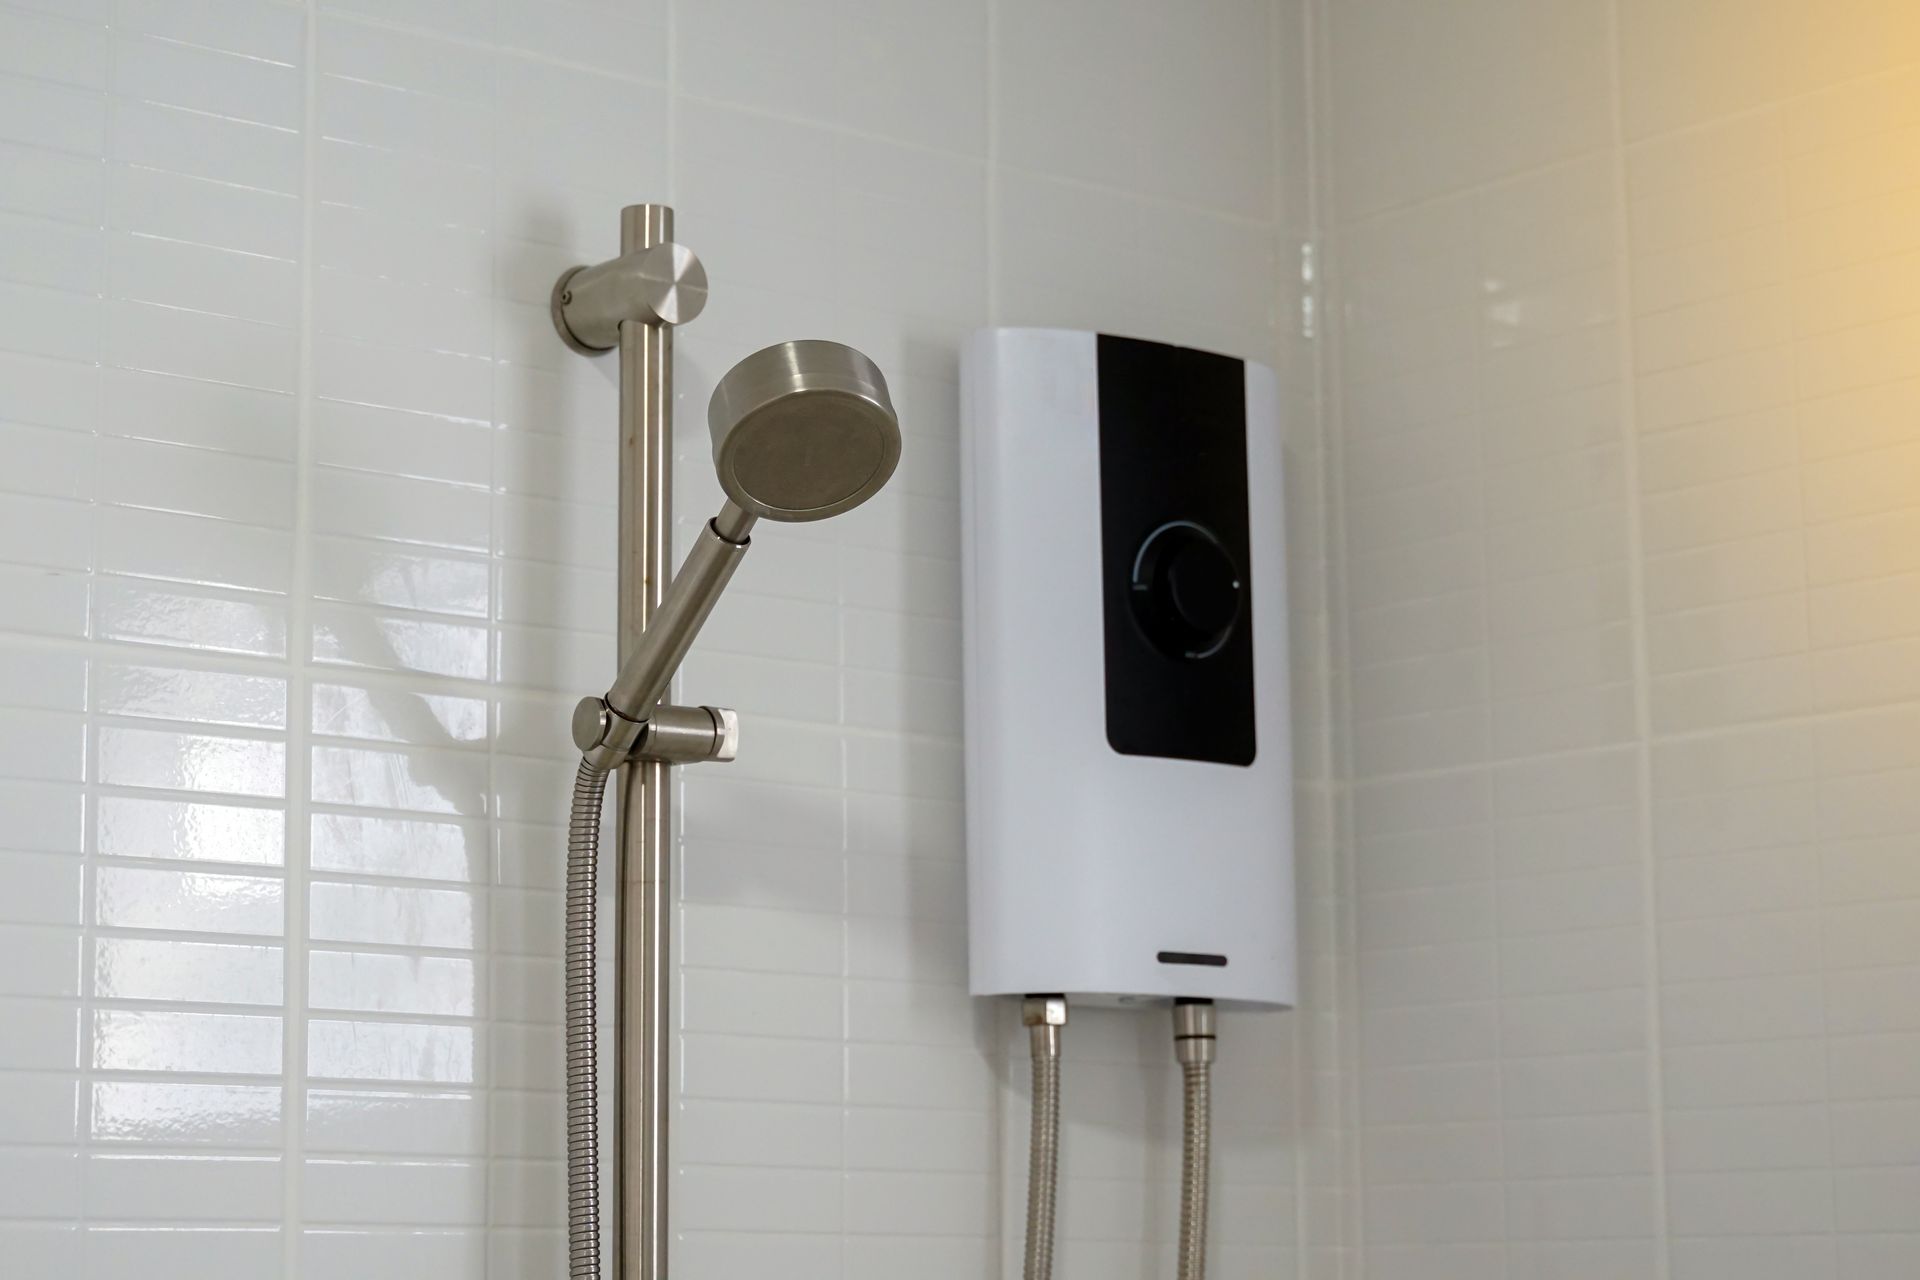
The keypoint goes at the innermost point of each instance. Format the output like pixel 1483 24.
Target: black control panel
pixel 1174 552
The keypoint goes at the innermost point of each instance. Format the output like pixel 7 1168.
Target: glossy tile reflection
pixel 307 546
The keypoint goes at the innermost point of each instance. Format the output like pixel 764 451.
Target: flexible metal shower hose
pixel 1196 1124
pixel 583 1096
pixel 1043 1154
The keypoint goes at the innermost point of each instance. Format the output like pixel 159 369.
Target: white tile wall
pixel 306 546
pixel 1625 443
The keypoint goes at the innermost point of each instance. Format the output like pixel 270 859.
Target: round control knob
pixel 1187 590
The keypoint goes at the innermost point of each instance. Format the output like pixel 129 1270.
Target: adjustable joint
pixel 671 735
pixel 605 737
pixel 1193 1031
pixel 663 284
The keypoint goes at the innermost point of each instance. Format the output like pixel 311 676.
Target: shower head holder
pixel 662 284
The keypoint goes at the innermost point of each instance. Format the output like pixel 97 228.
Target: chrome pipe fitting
pixel 670 633
pixel 1194 1037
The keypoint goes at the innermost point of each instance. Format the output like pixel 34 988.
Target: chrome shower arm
pixel 670 633
pixel 609 729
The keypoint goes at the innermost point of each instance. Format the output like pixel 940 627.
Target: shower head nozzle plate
pixel 803 430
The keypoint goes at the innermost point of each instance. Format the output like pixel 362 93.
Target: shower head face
pixel 803 431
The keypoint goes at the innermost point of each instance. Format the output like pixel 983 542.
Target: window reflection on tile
pixel 423 781
pixel 167 1113
pixel 170 969
pixel 139 828
pixel 192 761
pixel 123 610
pixel 398 847
pixel 379 983
pixel 370 573
pixel 163 898
pixel 355 638
pixel 342 1050
pixel 161 1040
pixel 208 697
pixel 392 916
pixel 397 715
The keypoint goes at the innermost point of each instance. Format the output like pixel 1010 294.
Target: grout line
pixel 84 1047
pixel 1304 1033
pixel 293 1063
pixel 1483 588
pixel 1350 1066
pixel 992 192
pixel 1625 353
pixel 1817 847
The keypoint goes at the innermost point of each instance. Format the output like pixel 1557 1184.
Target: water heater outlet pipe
pixel 1193 1046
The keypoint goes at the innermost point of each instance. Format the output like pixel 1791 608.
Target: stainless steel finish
pixel 605 737
pixel 1044 1016
pixel 691 735
pixel 673 735
pixel 649 667
pixel 1193 1032
pixel 733 524
pixel 1193 1044
pixel 727 732
pixel 582 1029
pixel 661 284
pixel 803 430
pixel 633 301
pixel 643 1095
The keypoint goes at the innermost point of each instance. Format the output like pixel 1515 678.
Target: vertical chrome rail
pixel 816 419
pixel 631 302
pixel 642 1102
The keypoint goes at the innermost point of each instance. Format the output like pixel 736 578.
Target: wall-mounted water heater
pixel 1129 809
pixel 1129 787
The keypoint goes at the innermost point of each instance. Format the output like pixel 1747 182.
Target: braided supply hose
pixel 1193 1039
pixel 583 1059
pixel 1044 1016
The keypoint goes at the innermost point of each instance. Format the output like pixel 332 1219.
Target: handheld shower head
pixel 803 431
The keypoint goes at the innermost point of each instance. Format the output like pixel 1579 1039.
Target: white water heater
pixel 1129 787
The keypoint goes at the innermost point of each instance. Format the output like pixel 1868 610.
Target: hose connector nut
pixel 1043 1011
pixel 1193 1031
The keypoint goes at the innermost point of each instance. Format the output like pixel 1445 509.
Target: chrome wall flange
pixel 661 284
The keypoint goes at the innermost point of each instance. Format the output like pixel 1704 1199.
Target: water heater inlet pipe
pixel 1044 1016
